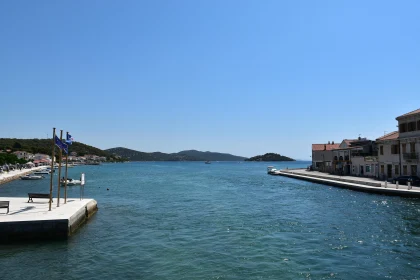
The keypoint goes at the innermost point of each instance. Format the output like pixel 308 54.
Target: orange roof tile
pixel 348 141
pixel 409 114
pixel 328 147
pixel 389 136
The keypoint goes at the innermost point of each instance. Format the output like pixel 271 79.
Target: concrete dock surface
pixel 32 220
pixel 350 182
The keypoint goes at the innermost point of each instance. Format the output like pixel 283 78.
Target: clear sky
pixel 243 77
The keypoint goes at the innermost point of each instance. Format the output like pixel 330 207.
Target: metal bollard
pixel 409 186
pixel 397 185
pixel 386 184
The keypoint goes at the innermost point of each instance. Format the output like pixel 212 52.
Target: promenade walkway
pixel 15 174
pixel 356 183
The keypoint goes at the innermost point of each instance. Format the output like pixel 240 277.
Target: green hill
pixel 133 155
pixel 212 156
pixel 44 146
pixel 189 155
pixel 270 157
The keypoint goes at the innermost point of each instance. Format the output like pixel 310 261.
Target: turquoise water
pixel 190 220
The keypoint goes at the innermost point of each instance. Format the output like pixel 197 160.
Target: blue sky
pixel 243 77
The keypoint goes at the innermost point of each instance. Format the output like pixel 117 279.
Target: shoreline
pixel 354 183
pixel 7 177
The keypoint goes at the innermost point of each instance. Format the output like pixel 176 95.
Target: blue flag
pixel 69 139
pixel 65 148
pixel 60 144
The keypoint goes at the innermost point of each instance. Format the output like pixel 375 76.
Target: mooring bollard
pixel 397 185
pixel 409 186
pixel 386 184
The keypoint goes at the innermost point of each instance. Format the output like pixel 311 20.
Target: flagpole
pixel 67 160
pixel 59 170
pixel 52 167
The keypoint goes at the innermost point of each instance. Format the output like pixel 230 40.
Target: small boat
pixel 70 182
pixel 271 170
pixel 31 177
pixel 207 162
pixel 41 172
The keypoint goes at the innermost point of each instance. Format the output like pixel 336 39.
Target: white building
pixel 24 155
pixel 389 157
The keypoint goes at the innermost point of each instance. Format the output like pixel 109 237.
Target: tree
pixel 17 145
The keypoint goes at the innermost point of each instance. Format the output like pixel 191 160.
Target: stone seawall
pixel 353 186
pixel 6 179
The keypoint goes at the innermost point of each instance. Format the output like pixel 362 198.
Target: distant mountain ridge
pixel 44 146
pixel 188 155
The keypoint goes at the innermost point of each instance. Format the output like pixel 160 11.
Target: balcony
pixel 411 157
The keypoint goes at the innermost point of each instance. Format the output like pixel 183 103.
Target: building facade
pixel 322 156
pixel 409 140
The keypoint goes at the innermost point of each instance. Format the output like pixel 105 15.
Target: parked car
pixel 415 181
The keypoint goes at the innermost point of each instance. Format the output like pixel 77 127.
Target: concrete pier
pixel 354 183
pixel 33 221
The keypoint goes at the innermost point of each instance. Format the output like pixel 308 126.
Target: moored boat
pixel 42 172
pixel 31 177
pixel 271 170
pixel 70 182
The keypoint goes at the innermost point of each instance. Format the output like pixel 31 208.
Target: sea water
pixel 224 220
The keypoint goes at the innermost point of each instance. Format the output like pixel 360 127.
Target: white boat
pixel 70 182
pixel 271 170
pixel 41 172
pixel 31 177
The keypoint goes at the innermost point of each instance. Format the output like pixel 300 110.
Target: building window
pixel 395 149
pixel 404 169
pixel 382 169
pixel 413 170
pixel 418 125
pixel 411 126
pixel 404 148
pixel 397 170
pixel 402 127
pixel 412 147
pixel 381 149
pixel 367 168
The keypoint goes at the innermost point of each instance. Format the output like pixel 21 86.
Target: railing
pixel 411 156
pixel 364 154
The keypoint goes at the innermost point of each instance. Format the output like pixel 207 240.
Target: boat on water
pixel 207 162
pixel 70 182
pixel 31 177
pixel 271 170
pixel 42 172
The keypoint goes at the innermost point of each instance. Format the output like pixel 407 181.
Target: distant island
pixel 188 155
pixel 270 157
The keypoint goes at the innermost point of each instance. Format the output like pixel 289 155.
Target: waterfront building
pixel 409 142
pixel 364 158
pixel 389 157
pixel 42 157
pixel 341 158
pixel 322 156
pixel 24 155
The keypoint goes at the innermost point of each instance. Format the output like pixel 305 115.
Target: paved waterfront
pixel 21 210
pixel 15 174
pixel 362 180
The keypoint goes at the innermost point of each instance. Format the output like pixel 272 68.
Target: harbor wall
pixel 354 186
